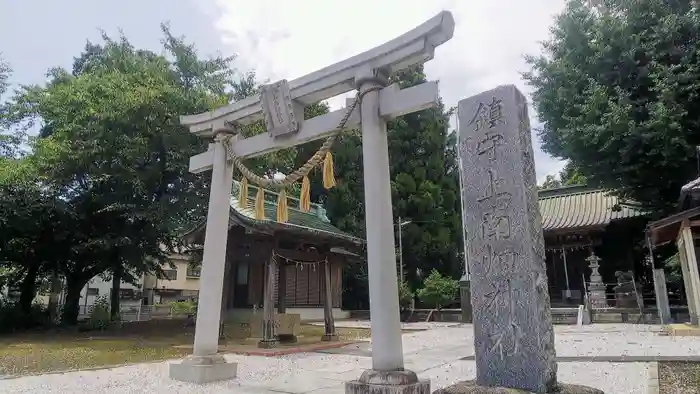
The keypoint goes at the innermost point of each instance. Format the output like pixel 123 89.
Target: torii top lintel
pixel 414 47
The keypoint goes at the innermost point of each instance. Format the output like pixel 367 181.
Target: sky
pixel 288 39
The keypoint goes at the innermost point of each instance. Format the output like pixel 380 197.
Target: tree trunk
pixel 28 289
pixel 116 285
pixel 53 296
pixel 72 304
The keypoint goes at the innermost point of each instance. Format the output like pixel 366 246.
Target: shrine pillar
pixel 205 365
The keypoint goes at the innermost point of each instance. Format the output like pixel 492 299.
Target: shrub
pixel 438 290
pixel 12 318
pixel 182 308
pixel 100 318
pixel 405 296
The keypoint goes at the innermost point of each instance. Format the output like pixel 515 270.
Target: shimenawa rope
pixel 302 172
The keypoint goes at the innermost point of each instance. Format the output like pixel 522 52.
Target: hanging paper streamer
pixel 260 204
pixel 305 197
pixel 282 210
pixel 328 176
pixel 243 193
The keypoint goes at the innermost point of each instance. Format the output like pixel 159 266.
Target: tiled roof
pixel 314 222
pixel 574 207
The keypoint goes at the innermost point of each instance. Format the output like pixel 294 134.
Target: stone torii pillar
pixel 283 104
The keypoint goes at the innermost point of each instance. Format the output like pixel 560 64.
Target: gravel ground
pixel 434 354
pixel 679 377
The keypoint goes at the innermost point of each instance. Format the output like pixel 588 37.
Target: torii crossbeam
pixel 368 73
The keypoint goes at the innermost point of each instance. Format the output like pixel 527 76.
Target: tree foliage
pixel 570 175
pixel 424 186
pixel 617 88
pixel 111 159
pixel 405 295
pixel 438 290
pixel 104 189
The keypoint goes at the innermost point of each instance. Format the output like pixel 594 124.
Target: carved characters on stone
pixel 493 188
pixel 278 110
pixel 506 339
pixel 489 144
pixel 496 261
pixel 512 317
pixel 495 222
pixel 488 115
pixel 495 225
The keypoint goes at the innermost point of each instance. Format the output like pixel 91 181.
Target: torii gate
pixel 366 72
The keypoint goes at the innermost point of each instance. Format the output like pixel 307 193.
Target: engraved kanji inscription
pixel 497 261
pixel 278 110
pixel 489 144
pixel 495 225
pixel 505 340
pixel 492 187
pixel 488 115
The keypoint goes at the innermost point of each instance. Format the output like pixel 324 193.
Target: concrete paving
pixel 437 353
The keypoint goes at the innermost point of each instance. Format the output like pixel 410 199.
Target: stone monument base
pixel 392 382
pixel 268 344
pixel 470 387
pixel 202 369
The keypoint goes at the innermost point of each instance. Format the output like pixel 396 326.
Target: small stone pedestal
pixel 470 387
pixel 598 297
pixel 596 286
pixel 388 382
pixel 465 299
pixel 202 369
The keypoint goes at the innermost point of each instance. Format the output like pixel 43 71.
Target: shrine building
pixel 303 247
pixel 578 221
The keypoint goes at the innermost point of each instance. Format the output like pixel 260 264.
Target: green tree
pixel 571 175
pixel 550 182
pixel 29 216
pixel 617 90
pixel 405 295
pixel 568 176
pixel 438 290
pixel 112 146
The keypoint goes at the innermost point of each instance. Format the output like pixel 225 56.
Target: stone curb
pixel 300 349
pixel 653 385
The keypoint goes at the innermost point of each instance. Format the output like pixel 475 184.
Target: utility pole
pixel 400 224
pixel 400 251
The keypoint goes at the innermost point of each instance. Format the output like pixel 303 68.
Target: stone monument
pixel 596 287
pixel 513 334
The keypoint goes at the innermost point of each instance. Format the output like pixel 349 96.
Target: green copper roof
pixel 575 207
pixel 315 221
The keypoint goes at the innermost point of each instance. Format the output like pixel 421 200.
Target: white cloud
pixel 288 39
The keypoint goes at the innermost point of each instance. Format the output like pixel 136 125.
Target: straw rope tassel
pixel 282 209
pixel 305 197
pixel 328 176
pixel 260 204
pixel 243 193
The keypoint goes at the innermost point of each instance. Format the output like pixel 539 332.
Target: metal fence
pixel 558 297
pixel 131 313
